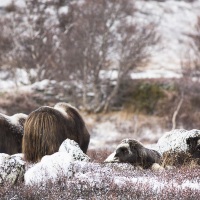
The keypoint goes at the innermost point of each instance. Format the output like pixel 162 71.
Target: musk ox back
pixel 46 128
pixel 11 133
pixel 132 151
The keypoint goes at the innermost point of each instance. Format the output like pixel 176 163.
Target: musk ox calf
pixel 46 128
pixel 11 133
pixel 132 151
pixel 193 144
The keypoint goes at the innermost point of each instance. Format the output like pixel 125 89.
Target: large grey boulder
pixel 175 140
pixel 12 168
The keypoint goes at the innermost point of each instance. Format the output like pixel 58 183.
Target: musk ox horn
pixel 11 133
pixel 46 128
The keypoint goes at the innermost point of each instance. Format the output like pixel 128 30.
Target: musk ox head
pixel 132 151
pixel 11 133
pixel 193 144
pixel 46 128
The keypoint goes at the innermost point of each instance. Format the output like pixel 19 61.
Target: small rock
pixel 175 140
pixel 72 148
pixel 157 167
pixel 12 169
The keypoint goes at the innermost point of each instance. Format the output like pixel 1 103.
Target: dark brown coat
pixel 11 133
pixel 46 128
pixel 132 151
pixel 193 144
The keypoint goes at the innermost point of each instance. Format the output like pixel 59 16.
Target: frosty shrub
pixel 117 181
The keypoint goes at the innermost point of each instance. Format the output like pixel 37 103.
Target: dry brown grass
pixel 98 156
pixel 178 159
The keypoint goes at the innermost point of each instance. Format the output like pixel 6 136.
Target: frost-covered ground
pixel 111 129
pixel 106 181
pixel 59 176
pixel 123 174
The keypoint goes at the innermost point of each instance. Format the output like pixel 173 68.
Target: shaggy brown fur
pixel 132 151
pixel 46 128
pixel 11 133
pixel 194 146
pixel 78 125
pixel 178 159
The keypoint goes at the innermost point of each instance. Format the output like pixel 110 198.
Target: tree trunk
pixel 176 112
pixel 85 87
pixel 112 94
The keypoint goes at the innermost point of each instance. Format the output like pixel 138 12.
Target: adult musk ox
pixel 132 151
pixel 46 128
pixel 11 133
pixel 193 144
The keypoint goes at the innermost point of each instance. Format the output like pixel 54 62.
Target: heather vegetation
pixel 117 181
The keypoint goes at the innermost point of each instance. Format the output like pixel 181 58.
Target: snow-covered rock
pixel 51 167
pixel 72 148
pixel 175 140
pixel 42 85
pixel 3 157
pixel 12 168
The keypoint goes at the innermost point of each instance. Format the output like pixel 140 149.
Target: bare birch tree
pixel 105 37
pixel 86 45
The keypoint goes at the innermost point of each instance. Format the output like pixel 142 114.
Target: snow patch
pixel 50 168
pixel 104 133
pixel 63 10
pixel 3 157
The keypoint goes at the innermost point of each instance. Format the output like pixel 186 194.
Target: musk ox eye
pixel 121 151
pixel 124 150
